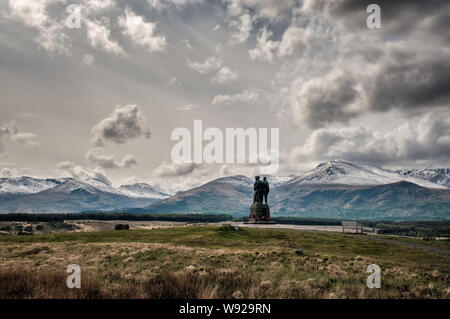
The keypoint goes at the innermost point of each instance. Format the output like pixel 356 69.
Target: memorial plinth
pixel 259 214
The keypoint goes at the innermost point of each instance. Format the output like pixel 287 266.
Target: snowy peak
pixel 235 180
pixel 349 173
pixel 70 185
pixel 141 190
pixel 439 176
pixel 26 185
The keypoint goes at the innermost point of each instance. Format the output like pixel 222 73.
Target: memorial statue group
pixel 261 190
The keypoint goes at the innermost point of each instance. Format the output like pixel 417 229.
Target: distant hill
pixel 335 189
pixel 231 194
pixel 440 176
pixel 68 195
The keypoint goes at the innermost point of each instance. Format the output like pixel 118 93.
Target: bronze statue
pixel 257 187
pixel 259 212
pixel 265 189
pixel 261 189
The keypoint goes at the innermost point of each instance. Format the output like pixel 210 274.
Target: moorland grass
pixel 217 262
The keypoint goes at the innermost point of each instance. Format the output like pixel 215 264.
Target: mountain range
pixel 334 189
pixel 68 195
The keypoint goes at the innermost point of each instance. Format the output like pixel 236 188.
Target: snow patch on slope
pixel 348 173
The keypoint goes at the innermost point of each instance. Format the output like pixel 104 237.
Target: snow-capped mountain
pixel 439 176
pixel 349 173
pixel 65 195
pixel 238 180
pixel 335 189
pixel 25 185
pixel 141 190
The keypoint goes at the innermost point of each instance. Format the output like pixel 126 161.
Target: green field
pixel 217 262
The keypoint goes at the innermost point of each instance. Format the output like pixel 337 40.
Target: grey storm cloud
pixel 126 122
pixel 398 16
pixel 379 70
pixel 410 80
pixel 426 139
pixel 324 99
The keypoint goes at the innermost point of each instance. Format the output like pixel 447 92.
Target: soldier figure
pixel 265 189
pixel 257 187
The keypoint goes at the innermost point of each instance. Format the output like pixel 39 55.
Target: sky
pixel 102 100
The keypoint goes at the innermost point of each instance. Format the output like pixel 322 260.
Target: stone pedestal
pixel 259 214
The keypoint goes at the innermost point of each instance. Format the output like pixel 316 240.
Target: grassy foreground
pixel 216 262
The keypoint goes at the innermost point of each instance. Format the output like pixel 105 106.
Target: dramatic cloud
pixel 269 9
pixel 99 37
pixel 293 42
pixel 126 122
pixel 34 14
pixel 321 100
pixel 378 70
pixel 81 173
pixel 141 32
pixel 247 96
pixel 99 157
pixel 409 80
pixel 425 139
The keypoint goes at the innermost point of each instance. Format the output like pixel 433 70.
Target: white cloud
pixel 172 82
pixel 246 96
pixel 241 28
pixel 292 42
pixel 427 138
pixel 273 10
pixel 78 172
pixel 161 5
pixel 26 138
pixel 225 75
pixel 99 37
pixel 188 44
pixel 104 160
pixel 34 14
pixel 171 169
pixel 8 172
pixel 97 6
pixel 126 122
pixel 11 131
pixel 87 60
pixel 141 32
pixel 210 64
pixel 188 107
